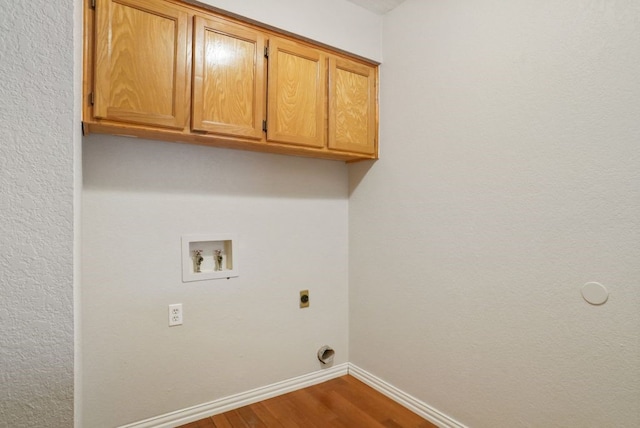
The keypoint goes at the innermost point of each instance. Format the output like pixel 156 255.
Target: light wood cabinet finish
pixel 297 76
pixel 174 71
pixel 352 106
pixel 140 62
pixel 228 79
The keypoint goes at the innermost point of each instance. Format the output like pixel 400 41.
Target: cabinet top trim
pixel 202 7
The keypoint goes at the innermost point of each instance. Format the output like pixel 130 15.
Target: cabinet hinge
pixel 264 126
pixel 266 51
pixel 92 98
pixel 93 4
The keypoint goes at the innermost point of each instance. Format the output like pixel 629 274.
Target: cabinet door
pixel 296 94
pixel 141 62
pixel 352 107
pixel 228 79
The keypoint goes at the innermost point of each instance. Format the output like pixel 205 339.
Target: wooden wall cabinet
pixel 140 63
pixel 352 106
pixel 168 70
pixel 297 94
pixel 228 79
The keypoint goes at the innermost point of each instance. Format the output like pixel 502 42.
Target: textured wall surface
pixel 290 215
pixel 509 177
pixel 36 206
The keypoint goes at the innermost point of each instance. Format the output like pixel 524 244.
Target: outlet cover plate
pixel 175 314
pixel 304 298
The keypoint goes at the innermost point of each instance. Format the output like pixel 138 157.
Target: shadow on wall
pixel 357 172
pixel 112 163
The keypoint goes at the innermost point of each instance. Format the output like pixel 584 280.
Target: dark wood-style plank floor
pixel 343 402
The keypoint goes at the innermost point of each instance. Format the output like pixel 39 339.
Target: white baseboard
pixel 408 401
pixel 201 411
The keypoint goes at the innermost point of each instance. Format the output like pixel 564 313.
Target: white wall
pixel 509 177
pixel 291 216
pixel 77 217
pixel 36 204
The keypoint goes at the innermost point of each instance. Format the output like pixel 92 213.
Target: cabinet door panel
pixel 228 84
pixel 296 96
pixel 352 107
pixel 141 62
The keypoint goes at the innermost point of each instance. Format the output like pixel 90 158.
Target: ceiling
pixel 378 6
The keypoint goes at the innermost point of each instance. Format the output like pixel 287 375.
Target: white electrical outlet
pixel 175 314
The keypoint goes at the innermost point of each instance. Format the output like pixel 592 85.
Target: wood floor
pixel 342 402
